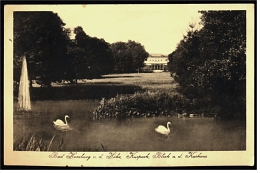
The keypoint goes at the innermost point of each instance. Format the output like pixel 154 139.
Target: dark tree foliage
pixel 42 38
pixel 90 57
pixel 51 55
pixel 210 64
pixel 128 57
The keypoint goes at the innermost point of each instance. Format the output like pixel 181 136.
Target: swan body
pixel 60 125
pixel 60 122
pixel 163 130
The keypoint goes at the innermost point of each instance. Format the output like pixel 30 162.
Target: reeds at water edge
pixel 33 144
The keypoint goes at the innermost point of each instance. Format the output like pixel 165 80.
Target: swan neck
pixel 66 121
pixel 168 126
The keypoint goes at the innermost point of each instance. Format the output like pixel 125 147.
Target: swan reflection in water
pixel 60 125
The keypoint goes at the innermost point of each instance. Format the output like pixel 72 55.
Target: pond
pixel 136 134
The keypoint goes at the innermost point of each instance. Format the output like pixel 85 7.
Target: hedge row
pixel 143 104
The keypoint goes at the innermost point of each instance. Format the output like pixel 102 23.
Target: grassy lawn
pixel 143 80
pixel 108 86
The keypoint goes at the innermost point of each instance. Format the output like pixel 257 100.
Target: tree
pixel 90 57
pixel 79 63
pixel 42 38
pixel 184 60
pixel 122 58
pixel 102 59
pixel 211 63
pixel 138 54
pixel 128 57
pixel 224 42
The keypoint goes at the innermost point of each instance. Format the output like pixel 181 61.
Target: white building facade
pixel 156 62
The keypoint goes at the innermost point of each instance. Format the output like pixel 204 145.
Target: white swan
pixel 163 130
pixel 60 125
pixel 59 122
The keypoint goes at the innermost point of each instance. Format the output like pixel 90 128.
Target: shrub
pixel 141 104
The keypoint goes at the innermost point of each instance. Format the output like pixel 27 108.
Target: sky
pixel 159 28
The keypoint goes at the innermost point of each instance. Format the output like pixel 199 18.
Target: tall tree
pixel 128 56
pixel 224 43
pixel 184 60
pixel 40 36
pixel 138 54
pixel 102 57
pixel 122 59
pixel 90 57
pixel 210 64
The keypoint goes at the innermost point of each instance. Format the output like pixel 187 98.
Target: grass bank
pixel 108 86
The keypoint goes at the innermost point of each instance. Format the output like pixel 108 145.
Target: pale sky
pixel 158 27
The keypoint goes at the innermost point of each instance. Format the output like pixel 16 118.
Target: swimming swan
pixel 60 125
pixel 163 130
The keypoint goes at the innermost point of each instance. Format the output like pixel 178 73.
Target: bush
pixel 141 104
pixel 146 71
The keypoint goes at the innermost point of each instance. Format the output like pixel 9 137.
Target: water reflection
pixel 139 135
pixel 136 134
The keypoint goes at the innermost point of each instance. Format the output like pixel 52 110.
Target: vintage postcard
pixel 155 85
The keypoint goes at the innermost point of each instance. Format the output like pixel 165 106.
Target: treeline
pixel 210 64
pixel 52 56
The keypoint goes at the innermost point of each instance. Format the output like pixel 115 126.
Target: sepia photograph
pixel 92 85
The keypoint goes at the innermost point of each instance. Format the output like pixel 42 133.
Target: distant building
pixel 156 63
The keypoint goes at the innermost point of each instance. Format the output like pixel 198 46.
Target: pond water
pixel 136 134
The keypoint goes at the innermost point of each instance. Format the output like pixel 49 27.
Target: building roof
pixel 157 55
